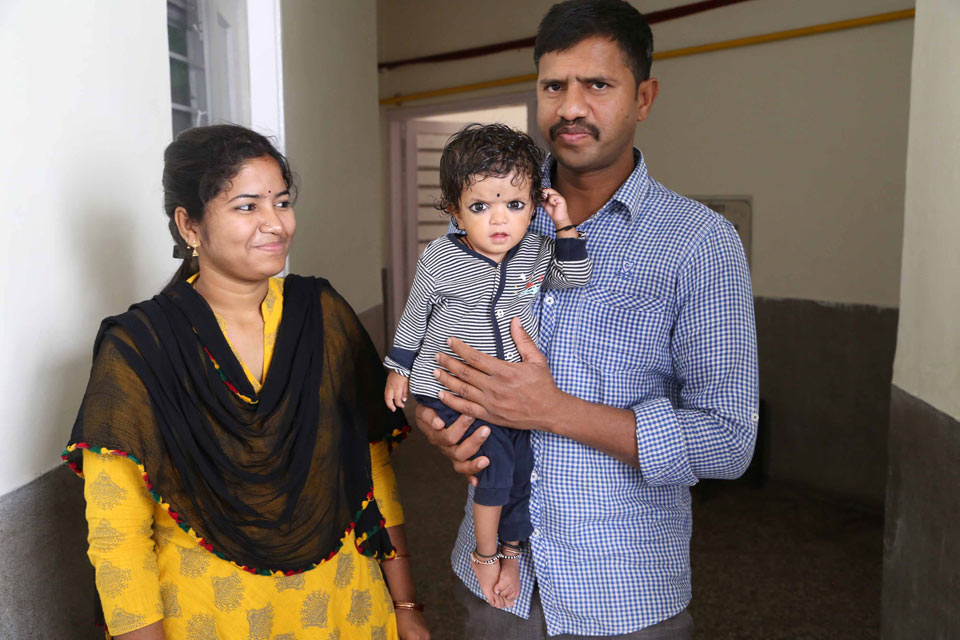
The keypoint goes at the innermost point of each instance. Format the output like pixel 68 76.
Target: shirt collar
pixel 627 198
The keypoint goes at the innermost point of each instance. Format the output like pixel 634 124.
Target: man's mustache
pixel 577 126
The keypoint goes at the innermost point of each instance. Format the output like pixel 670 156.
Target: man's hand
pixel 446 440
pixel 521 395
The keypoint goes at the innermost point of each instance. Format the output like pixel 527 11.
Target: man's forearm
pixel 608 429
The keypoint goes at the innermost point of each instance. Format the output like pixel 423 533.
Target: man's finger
pixel 471 467
pixel 526 347
pixel 461 370
pixel 433 428
pixel 459 388
pixel 471 446
pixel 476 359
pixel 428 420
pixel 462 405
pixel 452 435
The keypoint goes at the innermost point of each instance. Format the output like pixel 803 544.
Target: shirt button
pixel 755 417
pixel 627 265
pixel 533 476
pixel 500 313
pixel 536 533
pixel 548 300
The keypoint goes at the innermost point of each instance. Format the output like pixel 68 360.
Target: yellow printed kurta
pixel 148 568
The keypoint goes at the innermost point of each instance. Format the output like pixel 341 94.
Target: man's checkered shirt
pixel 666 329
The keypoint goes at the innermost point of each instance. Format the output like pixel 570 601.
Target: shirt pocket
pixel 619 331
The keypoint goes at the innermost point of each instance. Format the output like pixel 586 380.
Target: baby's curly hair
pixel 484 150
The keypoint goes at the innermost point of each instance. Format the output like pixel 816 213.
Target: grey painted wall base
pixel 825 372
pixel 46 580
pixel 921 560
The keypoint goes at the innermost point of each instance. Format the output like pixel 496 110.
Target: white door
pixel 415 147
pixel 227 61
pixel 416 219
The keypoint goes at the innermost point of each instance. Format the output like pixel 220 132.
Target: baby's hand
pixel 395 393
pixel 556 208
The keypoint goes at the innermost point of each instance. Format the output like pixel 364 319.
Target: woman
pixel 235 455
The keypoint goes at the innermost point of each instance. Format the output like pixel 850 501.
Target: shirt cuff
pixel 571 249
pixel 661 450
pixel 402 359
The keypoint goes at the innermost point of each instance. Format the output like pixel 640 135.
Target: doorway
pixel 417 136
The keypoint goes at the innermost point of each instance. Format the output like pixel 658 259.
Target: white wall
pixel 512 116
pixel 330 100
pixel 814 128
pixel 86 116
pixel 815 131
pixel 928 345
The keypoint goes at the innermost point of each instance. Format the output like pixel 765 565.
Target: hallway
pixel 774 562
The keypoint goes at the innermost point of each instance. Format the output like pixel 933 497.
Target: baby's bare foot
pixel 508 585
pixel 488 576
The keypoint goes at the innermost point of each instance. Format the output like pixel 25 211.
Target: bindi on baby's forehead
pixel 497 185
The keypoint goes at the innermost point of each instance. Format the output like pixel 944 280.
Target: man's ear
pixel 646 94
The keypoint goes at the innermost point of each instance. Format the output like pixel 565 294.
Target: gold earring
pixel 195 254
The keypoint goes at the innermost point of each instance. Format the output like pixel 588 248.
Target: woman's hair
pixel 480 151
pixel 198 166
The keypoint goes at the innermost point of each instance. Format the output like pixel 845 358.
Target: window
pixel 188 91
pixel 209 62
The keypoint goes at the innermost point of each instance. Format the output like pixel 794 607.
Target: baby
pixel 469 285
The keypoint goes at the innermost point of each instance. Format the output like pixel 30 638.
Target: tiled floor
pixel 769 563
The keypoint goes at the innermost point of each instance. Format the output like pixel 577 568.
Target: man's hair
pixel 483 150
pixel 568 23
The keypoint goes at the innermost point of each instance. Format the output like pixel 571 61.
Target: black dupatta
pixel 269 481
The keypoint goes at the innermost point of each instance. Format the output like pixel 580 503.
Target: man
pixel 647 380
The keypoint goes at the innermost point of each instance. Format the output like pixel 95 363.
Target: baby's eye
pixel 477 207
pixel 516 205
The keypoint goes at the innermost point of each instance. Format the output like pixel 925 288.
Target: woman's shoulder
pixel 124 327
pixel 294 285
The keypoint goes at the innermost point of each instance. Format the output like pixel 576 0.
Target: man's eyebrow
pixel 547 81
pixel 593 79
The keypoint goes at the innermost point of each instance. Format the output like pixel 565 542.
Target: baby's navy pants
pixel 506 481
